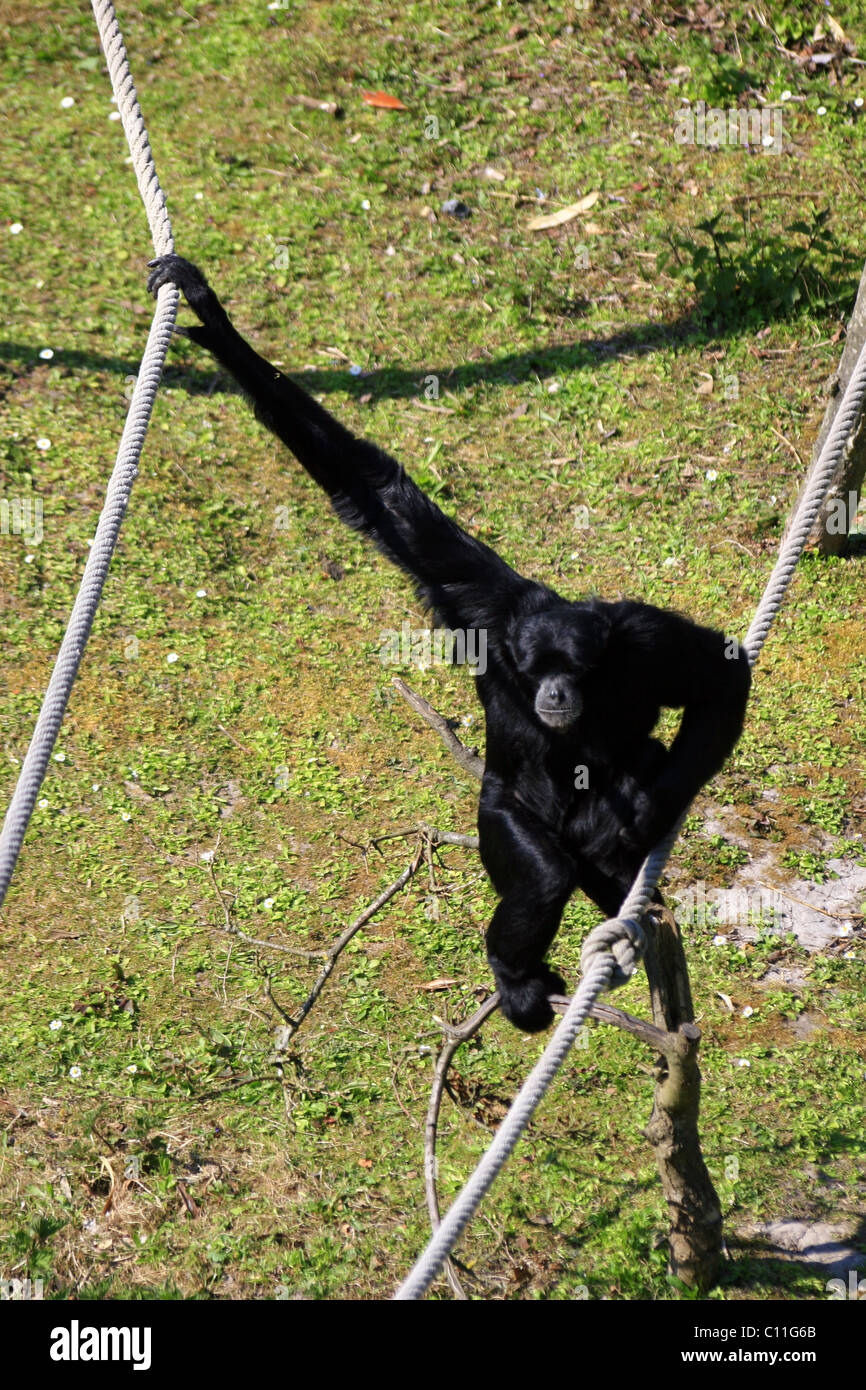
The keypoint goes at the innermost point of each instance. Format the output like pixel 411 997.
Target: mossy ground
pixel 146 1145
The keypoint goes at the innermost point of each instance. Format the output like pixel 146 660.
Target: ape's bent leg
pixel 535 880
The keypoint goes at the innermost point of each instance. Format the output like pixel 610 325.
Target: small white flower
pixel 199 197
pixel 768 140
pixel 75 1072
pixel 748 1011
pixel 201 593
pixel 822 110
pixel 847 955
pixel 16 227
pixel 389 251
pixel 67 101
pixel 355 370
pixel 132 1069
pixel 46 354
pixel 858 101
pixel 95 787
pixel 28 559
pixel 743 1062
pixel 125 815
pixel 43 443
pixel 786 95
pixel 366 205
pixel 44 802
pixel 711 475
pixel 268 904
pixel 553 388
pixel 171 658
pixel 846 929
pixel 55 1024
pixel 720 941
pixel 60 757
pixel 206 856
pixel 669 562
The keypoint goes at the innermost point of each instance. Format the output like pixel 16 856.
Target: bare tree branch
pixel 457 1035
pixel 334 952
pixel 467 757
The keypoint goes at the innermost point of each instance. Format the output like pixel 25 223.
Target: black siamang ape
pixel 575 790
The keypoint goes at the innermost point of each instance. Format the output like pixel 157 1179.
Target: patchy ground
pixel 622 403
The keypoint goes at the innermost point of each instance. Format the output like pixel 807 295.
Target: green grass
pixel 567 368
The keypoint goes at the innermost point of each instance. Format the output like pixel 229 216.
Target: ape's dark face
pixel 553 651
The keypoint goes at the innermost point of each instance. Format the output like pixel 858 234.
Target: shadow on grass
pixel 756 1264
pixel 388 382
pixel 742 286
pixel 393 382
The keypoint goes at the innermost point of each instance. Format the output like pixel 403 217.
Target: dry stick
pixel 657 1038
pixel 294 1023
pixel 254 940
pixel 438 837
pixel 466 757
pixel 443 1062
pixel 448 837
pixel 429 835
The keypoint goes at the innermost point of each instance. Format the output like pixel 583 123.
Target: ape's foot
pixel 525 997
pixel 174 270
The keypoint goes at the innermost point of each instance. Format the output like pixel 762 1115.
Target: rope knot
pixel 621 937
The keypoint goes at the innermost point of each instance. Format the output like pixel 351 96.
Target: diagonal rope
pixel 523 1107
pixel 622 933
pixel 125 468
pixel 818 482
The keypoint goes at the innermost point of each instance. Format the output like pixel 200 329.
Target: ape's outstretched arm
pixel 462 580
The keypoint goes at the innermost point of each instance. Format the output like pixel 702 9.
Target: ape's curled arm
pixel 680 664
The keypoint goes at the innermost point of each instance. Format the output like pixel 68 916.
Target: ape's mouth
pixel 558 718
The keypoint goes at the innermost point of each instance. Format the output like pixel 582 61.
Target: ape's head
pixel 553 652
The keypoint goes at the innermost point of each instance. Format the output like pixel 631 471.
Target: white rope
pixel 522 1109
pixel 125 468
pixel 610 935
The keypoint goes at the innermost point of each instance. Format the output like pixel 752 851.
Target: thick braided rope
pixel 622 935
pixel 820 478
pixel 818 481
pixel 125 468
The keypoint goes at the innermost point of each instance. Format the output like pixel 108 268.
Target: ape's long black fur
pixel 575 790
